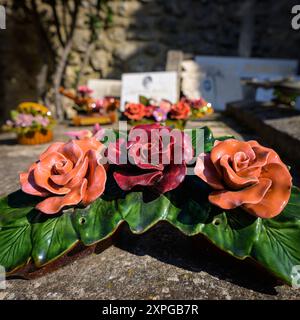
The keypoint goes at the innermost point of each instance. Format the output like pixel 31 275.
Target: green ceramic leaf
pixel 278 245
pixel 98 221
pixel 52 237
pixel 144 100
pixel 225 138
pixel 208 139
pixel 15 230
pixel 142 212
pixel 274 243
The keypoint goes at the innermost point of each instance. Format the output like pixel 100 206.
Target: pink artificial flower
pixel 79 135
pixel 24 120
pixel 84 90
pixel 97 132
pixel 159 115
pixel 165 105
pixel 43 121
pixel 100 103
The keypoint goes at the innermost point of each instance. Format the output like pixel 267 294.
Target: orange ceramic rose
pixel 66 174
pixel 180 110
pixel 135 111
pixel 246 174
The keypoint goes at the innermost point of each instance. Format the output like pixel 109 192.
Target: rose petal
pixel 96 179
pixel 28 184
pixel 230 147
pixel 240 161
pixel 233 180
pixel 273 157
pixel 205 170
pixel 232 199
pixel 278 194
pixel 72 151
pixel 188 150
pixel 63 167
pixel 89 144
pixel 173 175
pixel 42 172
pixel 254 167
pixel 78 171
pixel 140 155
pixel 127 182
pixel 116 152
pixel 55 147
pixel 53 205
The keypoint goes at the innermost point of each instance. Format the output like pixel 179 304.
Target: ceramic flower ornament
pixel 180 110
pixel 144 171
pixel 37 235
pixel 66 174
pixel 246 174
pixel 135 111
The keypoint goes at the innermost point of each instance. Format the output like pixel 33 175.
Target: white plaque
pixel 156 85
pixel 104 87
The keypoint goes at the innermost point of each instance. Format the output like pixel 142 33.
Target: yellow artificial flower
pixel 29 107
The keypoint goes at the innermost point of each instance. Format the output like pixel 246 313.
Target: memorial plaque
pixel 156 85
pixel 105 87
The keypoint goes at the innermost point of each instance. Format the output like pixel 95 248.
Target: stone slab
pixel 277 126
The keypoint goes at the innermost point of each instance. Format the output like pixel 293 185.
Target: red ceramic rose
pixel 180 110
pixel 246 174
pixel 135 111
pixel 152 162
pixel 66 174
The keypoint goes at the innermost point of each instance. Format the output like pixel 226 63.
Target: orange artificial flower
pixel 66 174
pixel 180 110
pixel 135 111
pixel 246 174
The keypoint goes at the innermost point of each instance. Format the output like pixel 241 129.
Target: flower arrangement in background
pixel 199 107
pixel 90 110
pixel 151 110
pixel 84 103
pixel 32 122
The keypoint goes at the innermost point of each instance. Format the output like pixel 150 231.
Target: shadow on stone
pixel 8 142
pixel 196 254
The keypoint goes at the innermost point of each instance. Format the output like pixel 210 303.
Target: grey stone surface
pixel 160 264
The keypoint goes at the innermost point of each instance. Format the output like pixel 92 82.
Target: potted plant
pixel 32 123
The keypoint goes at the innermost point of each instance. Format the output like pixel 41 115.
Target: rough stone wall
pixel 141 33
